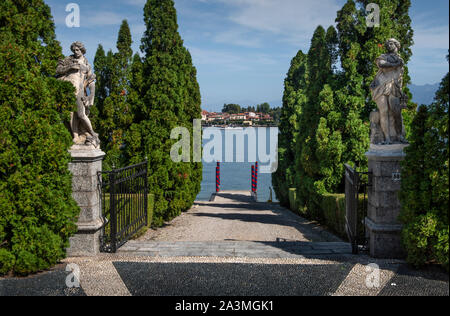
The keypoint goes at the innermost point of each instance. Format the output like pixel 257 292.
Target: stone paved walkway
pixel 233 247
pixel 234 225
pixel 236 249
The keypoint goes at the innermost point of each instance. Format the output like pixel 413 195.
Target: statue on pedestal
pixel 387 92
pixel 76 70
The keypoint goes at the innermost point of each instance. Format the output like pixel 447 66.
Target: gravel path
pixel 234 216
pixel 123 275
pixel 234 247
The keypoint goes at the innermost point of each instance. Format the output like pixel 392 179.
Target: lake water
pixel 238 149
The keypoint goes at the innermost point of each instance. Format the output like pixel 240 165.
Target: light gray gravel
pixel 234 216
pixel 123 275
pixel 234 247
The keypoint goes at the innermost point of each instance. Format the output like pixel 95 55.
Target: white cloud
pixel 431 43
pixel 224 60
pixel 101 18
pixel 238 38
pixel 293 20
pixel 431 37
pixel 139 3
pixel 232 61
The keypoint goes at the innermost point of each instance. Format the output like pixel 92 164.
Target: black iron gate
pixel 123 204
pixel 356 184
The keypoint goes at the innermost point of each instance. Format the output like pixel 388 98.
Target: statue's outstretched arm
pixel 63 67
pixel 383 63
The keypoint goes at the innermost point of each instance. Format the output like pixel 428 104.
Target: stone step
pixel 235 249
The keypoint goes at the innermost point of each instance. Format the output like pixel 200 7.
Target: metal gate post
pixel 146 193
pixel 112 211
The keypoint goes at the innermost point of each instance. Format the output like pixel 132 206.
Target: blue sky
pixel 242 48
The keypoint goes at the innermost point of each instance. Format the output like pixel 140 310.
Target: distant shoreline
pixel 238 126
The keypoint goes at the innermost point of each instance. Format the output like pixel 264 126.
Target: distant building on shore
pixel 249 118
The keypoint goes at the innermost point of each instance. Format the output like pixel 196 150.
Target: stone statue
pixel 387 123
pixel 76 70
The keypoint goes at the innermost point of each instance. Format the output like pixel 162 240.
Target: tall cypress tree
pixel 334 122
pixel 328 139
pixel 351 95
pixel 170 98
pixel 329 145
pixel 133 150
pixel 192 110
pixel 320 73
pixel 37 212
pixel 101 91
pixel 115 114
pixel 294 98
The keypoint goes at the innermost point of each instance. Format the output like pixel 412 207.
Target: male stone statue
pixel 76 70
pixel 387 124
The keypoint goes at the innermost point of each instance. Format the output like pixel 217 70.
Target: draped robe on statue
pixel 387 93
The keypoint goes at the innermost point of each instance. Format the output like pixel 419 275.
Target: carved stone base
pixel 86 163
pixel 384 205
pixel 385 242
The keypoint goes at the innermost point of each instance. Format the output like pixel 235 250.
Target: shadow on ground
pixel 201 279
pixel 51 283
pixel 235 279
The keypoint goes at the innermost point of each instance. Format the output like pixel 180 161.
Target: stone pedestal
pixel 384 205
pixel 85 165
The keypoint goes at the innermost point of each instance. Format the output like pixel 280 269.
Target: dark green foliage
pixel 320 147
pixel 169 97
pixel 231 108
pixel 101 84
pixel 361 44
pixel 425 184
pixel 294 99
pixel 37 212
pixel 132 138
pixel 293 202
pixel 114 111
pixel 276 115
pixel 247 109
pixel 329 210
pixel 350 96
pixel 263 108
pixel 394 23
pixel 332 123
pixel 319 67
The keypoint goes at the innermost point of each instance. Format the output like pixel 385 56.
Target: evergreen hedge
pixel 425 184
pixel 114 110
pixel 37 212
pixel 168 97
pixel 329 210
pixel 293 101
pixel 325 114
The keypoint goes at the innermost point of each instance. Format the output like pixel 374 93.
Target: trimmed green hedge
pixel 150 208
pixel 332 209
pixel 293 200
pixel 329 211
pixel 37 212
pixel 425 188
